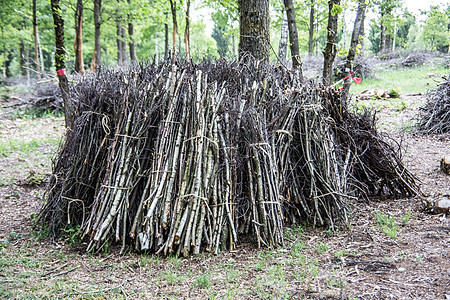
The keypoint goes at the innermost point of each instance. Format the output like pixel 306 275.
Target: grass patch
pixel 32 114
pixel 408 80
pixel 25 147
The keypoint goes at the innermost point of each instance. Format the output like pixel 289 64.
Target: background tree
pixel 436 30
pixel 97 57
pixel 60 57
pixel 78 43
pixel 334 9
pixel 254 29
pixel 293 35
pixel 220 31
pixel 355 42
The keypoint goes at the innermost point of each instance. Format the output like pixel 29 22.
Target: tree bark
pixel 60 57
pixel 173 8
pixel 361 33
pixel 36 41
pixel 131 44
pixel 254 29
pixel 356 37
pixel 22 59
pixel 166 38
pixel 186 32
pixel 311 29
pixel 293 35
pixel 78 43
pixel 382 35
pixel 97 58
pixel 282 50
pixel 119 44
pixel 330 48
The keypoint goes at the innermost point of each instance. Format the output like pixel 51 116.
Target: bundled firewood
pixel 434 117
pixel 182 159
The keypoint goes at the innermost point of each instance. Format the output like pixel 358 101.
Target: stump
pixel 445 165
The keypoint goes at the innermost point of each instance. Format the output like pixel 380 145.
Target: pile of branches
pixel 434 117
pixel 362 67
pixel 47 97
pixel 181 159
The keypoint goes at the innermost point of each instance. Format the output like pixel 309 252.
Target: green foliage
pixel 203 281
pixel 436 29
pixel 72 235
pixel 394 92
pixel 387 224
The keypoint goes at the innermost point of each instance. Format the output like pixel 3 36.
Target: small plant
pixel 73 235
pixel 203 281
pixel 394 92
pixel 387 224
pixel 13 236
pixel 321 248
pixel 406 218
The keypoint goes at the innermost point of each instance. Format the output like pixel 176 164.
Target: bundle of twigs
pixel 434 117
pixel 47 97
pixel 182 159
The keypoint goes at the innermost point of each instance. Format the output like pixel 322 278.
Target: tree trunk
pixel 330 48
pixel 97 57
pixel 282 50
pixel 36 41
pixel 383 34
pixel 361 33
pixel 166 39
pixel 23 71
pixel 60 56
pixel 311 29
pixel 293 35
pixel 78 43
pixel 387 43
pixel 119 44
pixel 356 36
pixel 254 29
pixel 173 8
pixel 186 32
pixel 131 43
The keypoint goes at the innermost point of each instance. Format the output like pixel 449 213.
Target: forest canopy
pixel 28 45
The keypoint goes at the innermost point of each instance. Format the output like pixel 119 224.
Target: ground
pixel 391 249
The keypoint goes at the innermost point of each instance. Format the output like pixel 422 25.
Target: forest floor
pixel 392 249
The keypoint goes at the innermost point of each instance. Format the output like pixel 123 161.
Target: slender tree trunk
pixel 330 48
pixel 4 53
pixel 173 8
pixel 97 57
pixel 23 71
pixel 166 38
pixel 311 29
pixel 36 41
pixel 293 35
pixel 60 57
pixel 356 37
pixel 382 35
pixel 131 44
pixel 282 50
pixel 78 43
pixel 387 43
pixel 254 29
pixel 119 44
pixel 361 33
pixel 186 32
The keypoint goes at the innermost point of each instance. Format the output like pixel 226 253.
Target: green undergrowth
pixel 405 80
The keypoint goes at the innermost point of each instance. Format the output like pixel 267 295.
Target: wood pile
pixel 179 159
pixel 434 117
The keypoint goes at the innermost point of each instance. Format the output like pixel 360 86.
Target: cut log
pixel 445 165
